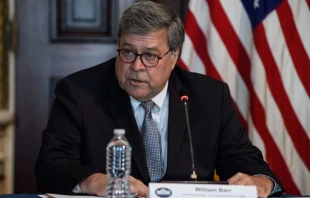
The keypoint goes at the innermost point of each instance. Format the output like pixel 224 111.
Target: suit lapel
pixel 177 122
pixel 119 103
pixel 120 106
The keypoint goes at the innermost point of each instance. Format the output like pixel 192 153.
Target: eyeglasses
pixel 148 59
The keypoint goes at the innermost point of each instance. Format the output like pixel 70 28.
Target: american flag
pixel 261 48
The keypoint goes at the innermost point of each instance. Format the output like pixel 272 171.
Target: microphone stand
pixel 193 176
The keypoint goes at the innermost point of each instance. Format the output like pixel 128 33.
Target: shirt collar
pixel 158 99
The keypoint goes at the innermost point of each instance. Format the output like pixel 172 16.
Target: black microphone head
pixel 183 94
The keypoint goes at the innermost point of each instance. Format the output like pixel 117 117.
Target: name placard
pixel 181 190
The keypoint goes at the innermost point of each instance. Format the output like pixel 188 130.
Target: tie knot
pixel 148 106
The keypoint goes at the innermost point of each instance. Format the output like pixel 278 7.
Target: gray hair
pixel 146 16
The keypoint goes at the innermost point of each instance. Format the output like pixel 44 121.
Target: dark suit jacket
pixel 89 104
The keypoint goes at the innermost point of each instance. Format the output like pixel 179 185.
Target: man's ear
pixel 175 57
pixel 177 53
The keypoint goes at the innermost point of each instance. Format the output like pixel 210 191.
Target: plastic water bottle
pixel 118 166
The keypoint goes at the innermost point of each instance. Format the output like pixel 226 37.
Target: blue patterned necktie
pixel 151 142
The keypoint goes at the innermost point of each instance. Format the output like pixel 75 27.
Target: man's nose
pixel 138 65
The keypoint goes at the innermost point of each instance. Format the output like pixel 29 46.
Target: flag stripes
pixel 295 130
pixel 300 12
pixel 295 46
pixel 197 36
pixel 296 92
pixel 261 49
pixel 308 2
pixel 238 60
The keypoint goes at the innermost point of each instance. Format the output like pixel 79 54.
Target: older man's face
pixel 139 81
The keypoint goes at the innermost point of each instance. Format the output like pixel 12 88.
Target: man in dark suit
pixel 91 103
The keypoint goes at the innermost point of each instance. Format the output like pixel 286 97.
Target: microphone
pixel 184 99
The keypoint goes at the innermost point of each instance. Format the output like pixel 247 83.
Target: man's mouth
pixel 136 81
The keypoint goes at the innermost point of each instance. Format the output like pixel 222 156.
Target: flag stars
pixel 256 4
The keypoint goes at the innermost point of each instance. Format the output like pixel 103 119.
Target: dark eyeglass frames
pixel 148 59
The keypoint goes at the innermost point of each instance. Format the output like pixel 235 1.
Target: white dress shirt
pixel 160 116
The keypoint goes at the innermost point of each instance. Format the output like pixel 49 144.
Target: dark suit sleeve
pixel 58 166
pixel 236 152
